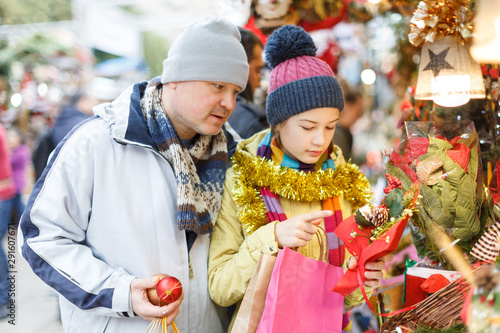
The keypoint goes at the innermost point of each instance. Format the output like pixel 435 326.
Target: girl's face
pixel 306 136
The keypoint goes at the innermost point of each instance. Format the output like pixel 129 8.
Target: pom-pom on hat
pixel 299 82
pixel 207 50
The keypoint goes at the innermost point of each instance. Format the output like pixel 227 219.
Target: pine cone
pixel 379 216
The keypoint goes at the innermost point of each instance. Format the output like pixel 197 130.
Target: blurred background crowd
pixel 58 58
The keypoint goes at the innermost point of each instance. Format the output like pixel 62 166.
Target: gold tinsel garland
pixel 252 172
pixel 434 18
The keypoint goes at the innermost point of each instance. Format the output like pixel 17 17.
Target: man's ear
pixel 172 85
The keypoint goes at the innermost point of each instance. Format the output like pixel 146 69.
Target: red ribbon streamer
pixel 370 306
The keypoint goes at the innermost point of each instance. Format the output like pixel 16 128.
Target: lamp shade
pixel 486 37
pixel 447 74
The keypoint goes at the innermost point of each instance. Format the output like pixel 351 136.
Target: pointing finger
pixel 310 217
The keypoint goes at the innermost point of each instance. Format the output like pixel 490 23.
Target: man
pixel 353 110
pixel 249 118
pixel 135 191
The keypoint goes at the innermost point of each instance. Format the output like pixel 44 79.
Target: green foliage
pixel 101 56
pixel 454 202
pixel 361 220
pixel 6 57
pixel 36 48
pixel 33 49
pixel 405 51
pixel 434 208
pixel 394 171
pixel 155 51
pixel 436 145
pixel 393 201
pixel 34 11
pixel 492 154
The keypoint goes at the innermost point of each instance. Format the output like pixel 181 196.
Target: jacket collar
pixel 124 116
pixel 137 130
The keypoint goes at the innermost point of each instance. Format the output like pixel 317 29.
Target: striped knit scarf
pixel 269 149
pixel 199 171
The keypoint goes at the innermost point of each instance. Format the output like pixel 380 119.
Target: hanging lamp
pixel 447 73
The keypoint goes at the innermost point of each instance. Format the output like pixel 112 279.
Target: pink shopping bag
pixel 298 297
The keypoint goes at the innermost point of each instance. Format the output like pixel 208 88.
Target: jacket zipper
pixel 191 272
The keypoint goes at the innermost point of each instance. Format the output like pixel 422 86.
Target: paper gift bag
pixel 416 276
pixel 252 305
pixel 298 297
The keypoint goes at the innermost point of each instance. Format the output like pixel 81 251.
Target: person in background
pixel 260 211
pixel 135 191
pixel 248 117
pixel 353 110
pixel 7 195
pixel 78 110
pixel 20 158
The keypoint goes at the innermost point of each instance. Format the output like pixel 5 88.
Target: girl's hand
pixel 373 272
pixel 300 229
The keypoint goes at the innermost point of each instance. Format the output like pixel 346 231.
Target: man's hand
pixel 373 272
pixel 144 308
pixel 300 229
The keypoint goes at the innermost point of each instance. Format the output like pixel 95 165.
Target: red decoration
pixel 460 154
pixel 168 290
pixel 394 182
pixel 403 162
pixel 484 70
pixel 331 56
pixel 434 283
pixel 413 292
pixel 406 105
pixel 328 23
pixel 368 243
pixel 418 146
pixel 361 248
pixel 495 184
pixel 417 112
pixel 252 27
pixel 494 73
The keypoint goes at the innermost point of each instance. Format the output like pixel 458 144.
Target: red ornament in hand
pixel 168 290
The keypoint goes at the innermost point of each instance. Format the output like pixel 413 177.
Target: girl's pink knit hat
pixel 299 82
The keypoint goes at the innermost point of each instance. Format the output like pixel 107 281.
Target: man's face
pixel 199 106
pixel 255 65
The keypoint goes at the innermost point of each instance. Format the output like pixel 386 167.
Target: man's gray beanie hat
pixel 207 50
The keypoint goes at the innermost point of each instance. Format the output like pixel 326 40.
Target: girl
pixel 286 182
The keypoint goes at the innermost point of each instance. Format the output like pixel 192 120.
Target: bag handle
pixel 322 253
